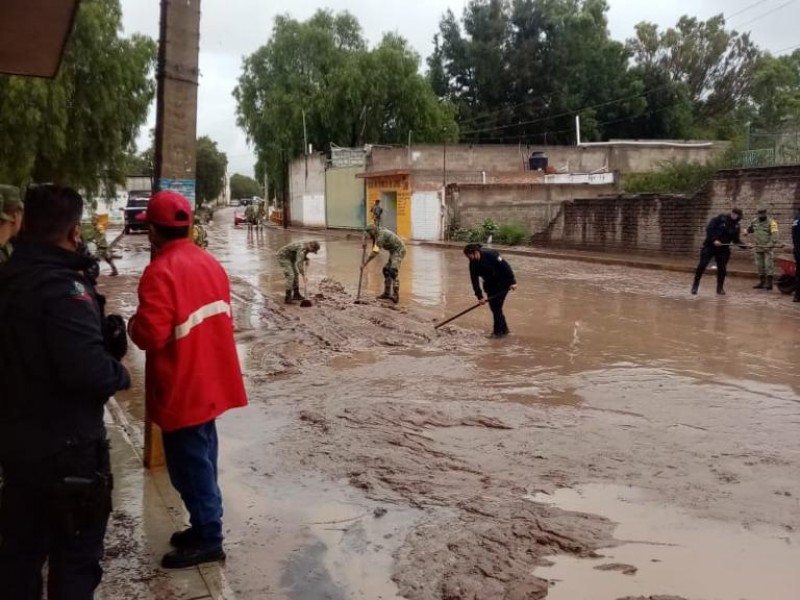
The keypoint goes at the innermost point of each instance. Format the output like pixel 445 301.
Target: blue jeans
pixel 191 455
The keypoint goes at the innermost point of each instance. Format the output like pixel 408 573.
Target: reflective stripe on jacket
pixel 185 325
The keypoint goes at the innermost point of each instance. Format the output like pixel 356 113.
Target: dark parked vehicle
pixel 137 204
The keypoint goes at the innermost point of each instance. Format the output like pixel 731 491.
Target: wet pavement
pixel 619 398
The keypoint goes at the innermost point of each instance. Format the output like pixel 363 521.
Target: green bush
pixel 676 177
pixel 673 178
pixel 512 234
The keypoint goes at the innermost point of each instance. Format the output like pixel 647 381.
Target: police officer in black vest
pixel 498 280
pixel 722 232
pixel 59 364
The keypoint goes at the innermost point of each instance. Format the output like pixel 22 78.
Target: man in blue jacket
pixel 59 364
pixel 498 280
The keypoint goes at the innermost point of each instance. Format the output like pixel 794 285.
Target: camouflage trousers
pixel 765 263
pixel 290 273
pixel 395 259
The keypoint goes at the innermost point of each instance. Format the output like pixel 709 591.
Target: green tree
pixel 80 127
pixel 521 70
pixel 775 92
pixel 350 95
pixel 211 167
pixel 244 187
pixel 712 65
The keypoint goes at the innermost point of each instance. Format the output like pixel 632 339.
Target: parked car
pixel 137 204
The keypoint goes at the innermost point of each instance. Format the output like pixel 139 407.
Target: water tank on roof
pixel 538 161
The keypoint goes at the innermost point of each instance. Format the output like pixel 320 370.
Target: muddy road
pixel 627 441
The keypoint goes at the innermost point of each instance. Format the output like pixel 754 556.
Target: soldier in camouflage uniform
pixel 96 233
pixel 199 235
pixel 293 259
pixel 764 232
pixel 250 216
pixel 386 240
pixel 10 218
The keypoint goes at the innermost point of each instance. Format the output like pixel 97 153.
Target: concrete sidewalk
pixel 146 512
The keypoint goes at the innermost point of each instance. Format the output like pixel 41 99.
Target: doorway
pixel 389 204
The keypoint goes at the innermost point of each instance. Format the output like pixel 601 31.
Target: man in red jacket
pixel 184 324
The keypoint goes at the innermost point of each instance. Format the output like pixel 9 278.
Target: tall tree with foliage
pixel 244 187
pixel 775 93
pixel 350 95
pixel 521 70
pixel 711 66
pixel 212 165
pixel 80 127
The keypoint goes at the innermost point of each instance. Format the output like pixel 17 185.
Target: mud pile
pixel 482 538
pixel 285 340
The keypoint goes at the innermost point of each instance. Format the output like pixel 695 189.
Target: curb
pixel 213 577
pixel 651 265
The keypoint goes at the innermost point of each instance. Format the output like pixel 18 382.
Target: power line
pixel 782 50
pixel 569 113
pixel 746 8
pixel 766 14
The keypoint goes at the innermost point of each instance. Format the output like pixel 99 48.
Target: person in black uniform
pixel 722 232
pixel 59 364
pixel 498 280
pixel 796 242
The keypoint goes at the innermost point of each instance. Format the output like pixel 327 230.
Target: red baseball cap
pixel 168 209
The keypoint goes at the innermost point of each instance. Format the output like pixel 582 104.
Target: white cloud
pixel 232 29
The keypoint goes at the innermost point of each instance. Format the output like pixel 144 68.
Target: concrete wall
pixel 673 225
pixel 630 157
pixel 535 205
pixel 306 182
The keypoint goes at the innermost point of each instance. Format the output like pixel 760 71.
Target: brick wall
pixel 674 225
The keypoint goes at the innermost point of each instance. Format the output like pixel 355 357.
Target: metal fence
pixel 768 148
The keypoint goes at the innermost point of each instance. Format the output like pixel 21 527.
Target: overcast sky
pixel 232 29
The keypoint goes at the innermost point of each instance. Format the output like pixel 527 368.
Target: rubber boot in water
pixel 770 284
pixel 288 299
pixel 296 292
pixel 396 291
pixel 387 289
pixel 762 283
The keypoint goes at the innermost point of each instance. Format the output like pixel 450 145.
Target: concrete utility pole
pixel 176 130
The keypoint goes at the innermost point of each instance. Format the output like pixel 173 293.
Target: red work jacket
pixel 185 325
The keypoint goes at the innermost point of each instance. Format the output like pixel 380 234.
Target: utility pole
pixel 444 166
pixel 305 135
pixel 176 130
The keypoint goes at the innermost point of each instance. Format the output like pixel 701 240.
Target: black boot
pixel 695 288
pixel 296 293
pixel 387 289
pixel 797 295
pixel 720 289
pixel 288 299
pixel 396 291
pixel 762 284
pixel 769 285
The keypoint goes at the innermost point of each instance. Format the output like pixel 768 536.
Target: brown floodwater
pixel 674 416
